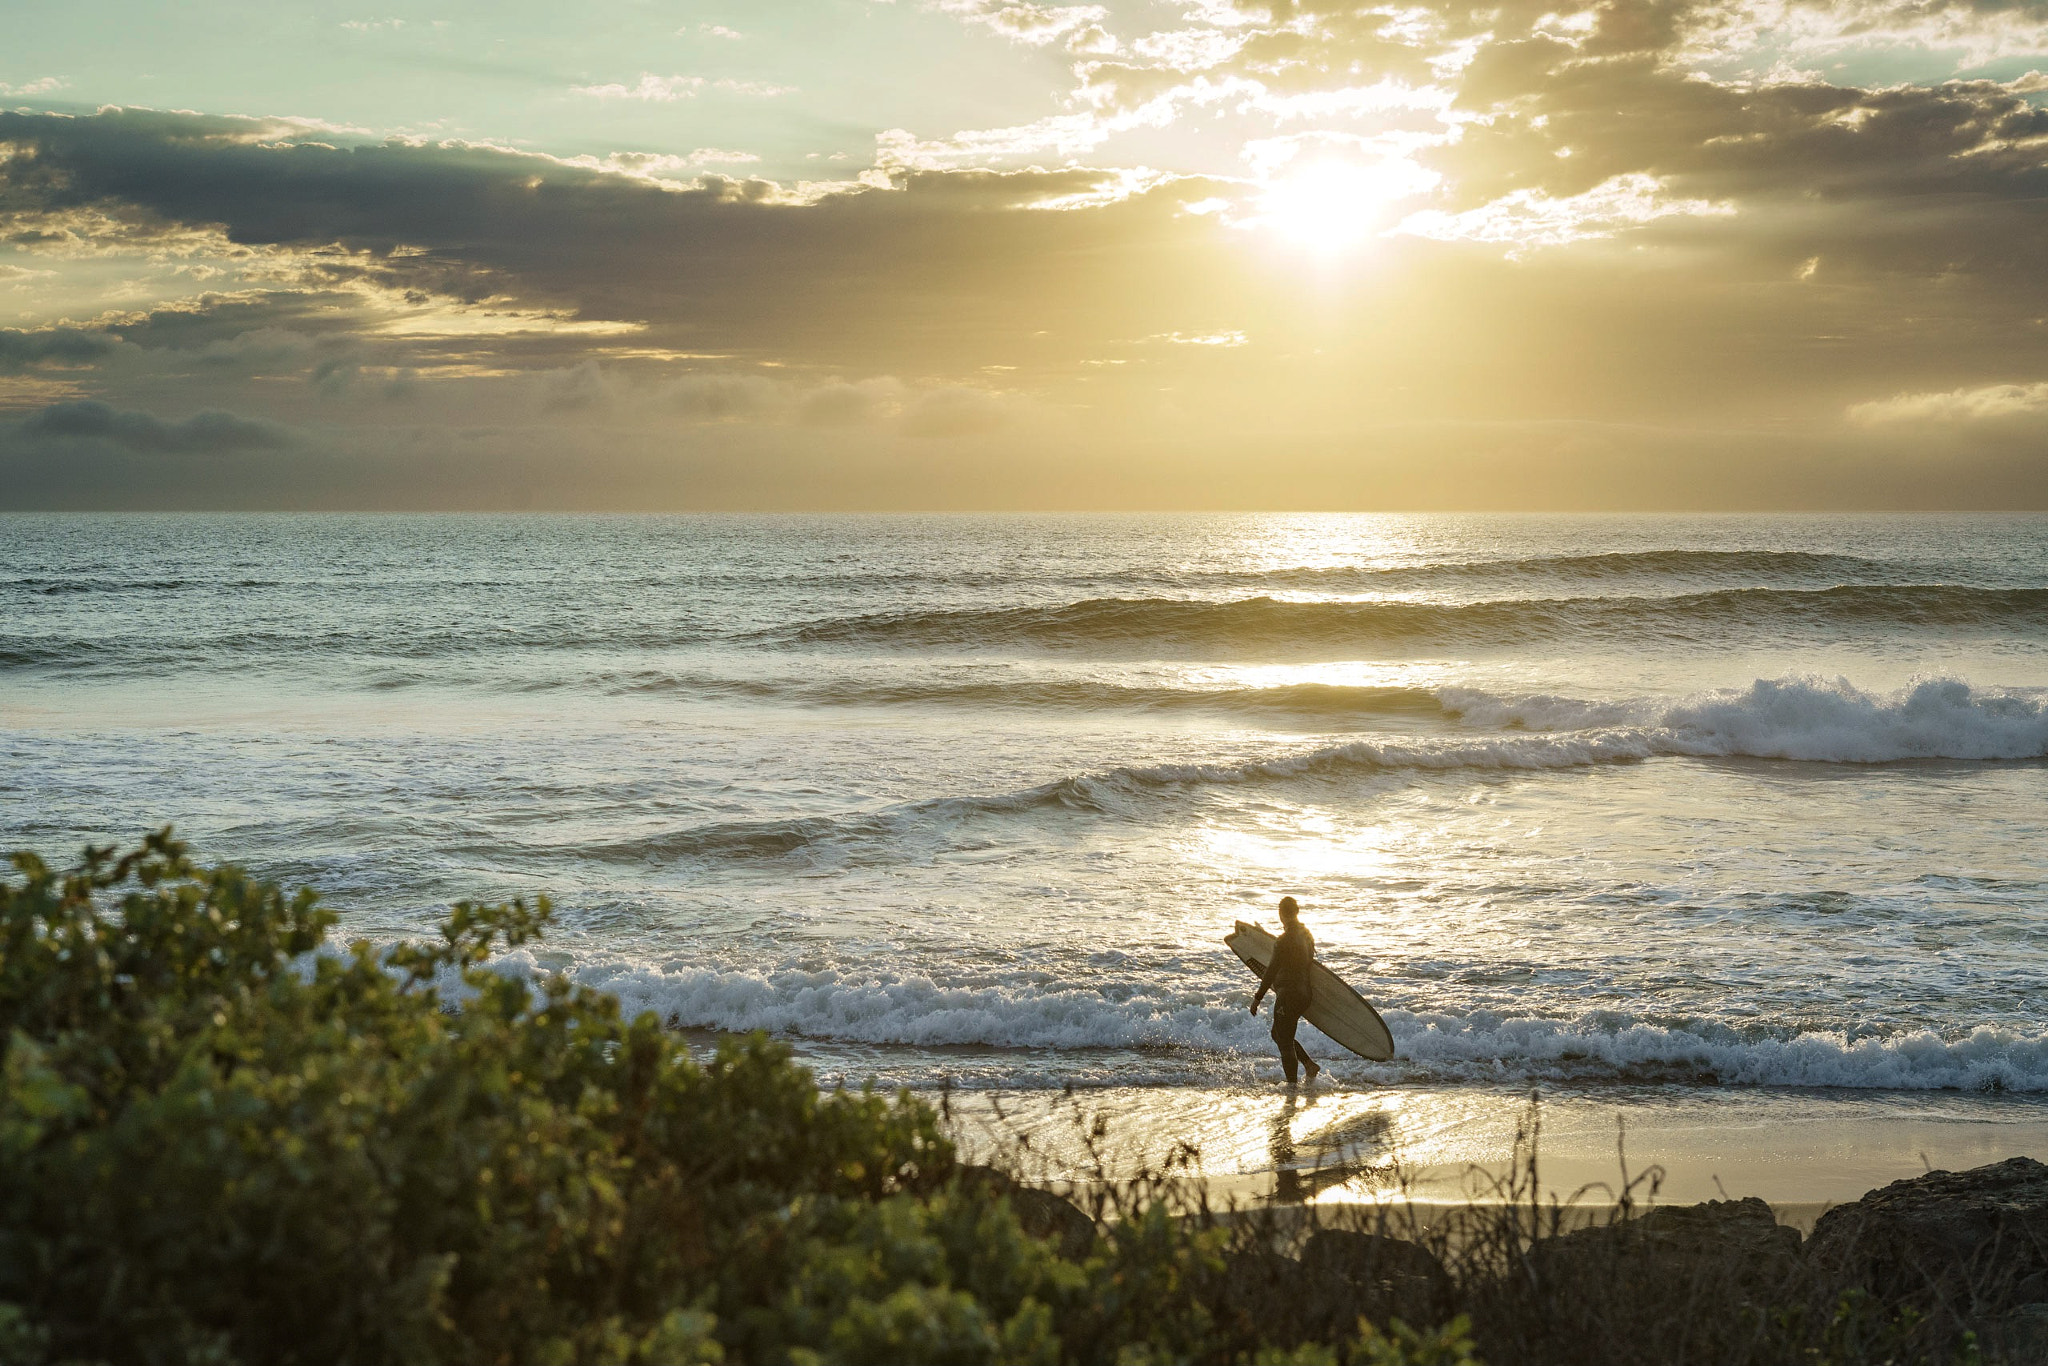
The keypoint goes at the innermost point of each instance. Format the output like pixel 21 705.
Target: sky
pixel 985 254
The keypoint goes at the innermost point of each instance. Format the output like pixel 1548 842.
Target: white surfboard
pixel 1334 1007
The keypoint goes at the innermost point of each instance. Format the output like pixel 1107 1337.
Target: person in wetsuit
pixel 1293 987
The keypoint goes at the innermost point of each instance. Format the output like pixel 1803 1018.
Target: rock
pixel 1341 1278
pixel 1388 1277
pixel 1042 1213
pixel 1677 1283
pixel 1285 1302
pixel 2019 1338
pixel 1733 1245
pixel 1739 1230
pixel 1975 1241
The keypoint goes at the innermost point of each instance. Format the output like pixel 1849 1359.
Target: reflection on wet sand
pixel 1317 1148
pixel 1447 1145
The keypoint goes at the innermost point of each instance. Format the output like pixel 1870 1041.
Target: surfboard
pixel 1334 1007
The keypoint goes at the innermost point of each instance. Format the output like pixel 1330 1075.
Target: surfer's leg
pixel 1307 1062
pixel 1285 1017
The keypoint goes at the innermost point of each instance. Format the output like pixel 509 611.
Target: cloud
pixel 1224 339
pixel 21 349
pixel 668 89
pixel 46 85
pixel 205 432
pixel 1530 218
pixel 955 411
pixel 844 404
pixel 1714 266
pixel 1986 404
pixel 664 165
pixel 660 89
pixel 580 386
pixel 1037 25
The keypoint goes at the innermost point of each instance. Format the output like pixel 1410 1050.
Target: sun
pixel 1332 206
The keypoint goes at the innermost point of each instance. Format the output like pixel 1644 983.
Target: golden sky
pixel 828 254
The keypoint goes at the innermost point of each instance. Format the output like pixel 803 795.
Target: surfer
pixel 1288 977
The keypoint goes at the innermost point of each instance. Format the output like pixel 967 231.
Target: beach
pixel 1802 1152
pixel 1729 828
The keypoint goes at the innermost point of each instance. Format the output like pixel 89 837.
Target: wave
pixel 59 587
pixel 1267 626
pixel 1595 568
pixel 1787 718
pixel 1808 719
pixel 1214 1029
pixel 1115 791
pixel 1297 699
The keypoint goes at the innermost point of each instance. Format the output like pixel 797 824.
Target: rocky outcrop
pixel 1733 1244
pixel 1042 1213
pixel 2016 1336
pixel 1340 1278
pixel 1387 1277
pixel 1976 1241
pixel 1285 1302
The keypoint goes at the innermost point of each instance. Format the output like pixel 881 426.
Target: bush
pixel 222 1140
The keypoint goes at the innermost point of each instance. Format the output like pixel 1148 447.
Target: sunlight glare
pixel 1331 206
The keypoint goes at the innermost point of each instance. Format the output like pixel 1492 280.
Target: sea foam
pixel 1812 718
pixel 1209 1032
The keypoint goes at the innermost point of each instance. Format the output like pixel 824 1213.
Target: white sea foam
pixel 1212 1033
pixel 1811 718
pixel 1483 1046
pixel 1808 718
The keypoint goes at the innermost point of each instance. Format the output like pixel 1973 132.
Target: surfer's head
pixel 1290 911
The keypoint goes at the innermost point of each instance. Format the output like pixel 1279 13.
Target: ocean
pixel 1687 806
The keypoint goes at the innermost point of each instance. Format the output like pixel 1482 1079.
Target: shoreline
pixel 1801 1152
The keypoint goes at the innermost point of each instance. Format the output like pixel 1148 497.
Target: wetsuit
pixel 1293 990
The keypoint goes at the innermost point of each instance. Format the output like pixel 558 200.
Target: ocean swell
pixel 1115 790
pixel 1267 626
pixel 1081 694
pixel 1625 564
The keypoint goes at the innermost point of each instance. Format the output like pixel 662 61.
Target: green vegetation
pixel 222 1140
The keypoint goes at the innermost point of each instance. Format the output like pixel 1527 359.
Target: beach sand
pixel 1801 1151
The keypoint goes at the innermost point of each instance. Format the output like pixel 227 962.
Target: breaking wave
pixel 1214 1031
pixel 1818 719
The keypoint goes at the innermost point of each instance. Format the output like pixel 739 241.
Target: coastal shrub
pixel 224 1139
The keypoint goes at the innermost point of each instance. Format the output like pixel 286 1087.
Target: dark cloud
pixel 864 276
pixel 92 420
pixel 20 349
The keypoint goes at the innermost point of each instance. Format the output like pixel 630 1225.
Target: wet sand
pixel 1801 1151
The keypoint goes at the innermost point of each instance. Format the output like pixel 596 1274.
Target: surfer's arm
pixel 1265 983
